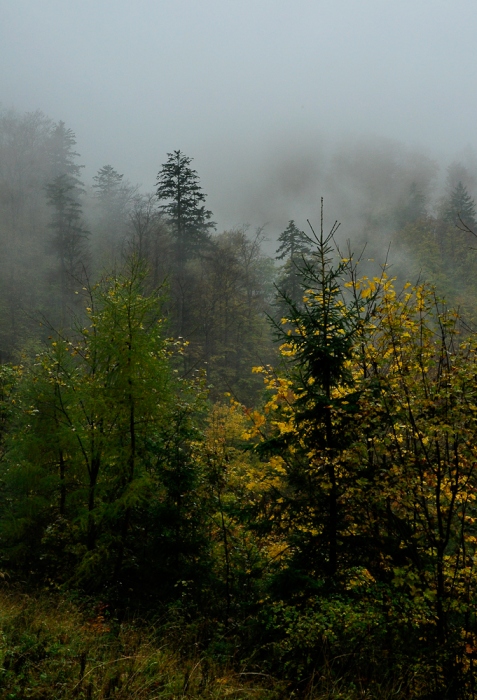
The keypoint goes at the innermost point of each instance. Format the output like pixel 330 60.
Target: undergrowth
pixel 52 648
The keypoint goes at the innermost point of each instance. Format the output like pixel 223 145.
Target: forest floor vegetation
pixel 53 648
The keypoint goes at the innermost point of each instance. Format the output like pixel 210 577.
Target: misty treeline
pixel 59 236
pixel 317 525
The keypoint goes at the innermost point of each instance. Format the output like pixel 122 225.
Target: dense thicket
pixel 313 519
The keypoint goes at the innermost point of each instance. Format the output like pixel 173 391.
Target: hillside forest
pixel 230 472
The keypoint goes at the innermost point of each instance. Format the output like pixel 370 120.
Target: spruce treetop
pixel 107 182
pixel 461 206
pixel 62 155
pixel 293 242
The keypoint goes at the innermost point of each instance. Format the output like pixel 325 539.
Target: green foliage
pixel 52 648
pixel 327 538
pixel 230 332
pixel 101 447
pixel 376 448
pixel 319 338
pixel 442 254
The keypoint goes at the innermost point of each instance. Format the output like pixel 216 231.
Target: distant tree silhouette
pixel 413 207
pixel 293 242
pixel 114 198
pixel 62 155
pixel 294 248
pixel 178 187
pixel 461 207
pixel 70 238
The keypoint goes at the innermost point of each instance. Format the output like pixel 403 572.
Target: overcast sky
pixel 240 85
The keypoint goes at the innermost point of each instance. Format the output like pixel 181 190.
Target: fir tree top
pixel 107 182
pixel 461 206
pixel 293 242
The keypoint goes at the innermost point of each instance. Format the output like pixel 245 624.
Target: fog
pixel 260 94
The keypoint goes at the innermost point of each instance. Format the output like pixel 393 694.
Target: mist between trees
pixel 273 455
pixel 58 231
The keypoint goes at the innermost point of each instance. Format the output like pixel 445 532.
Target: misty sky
pixel 242 87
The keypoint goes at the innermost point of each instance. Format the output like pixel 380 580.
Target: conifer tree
pixel 70 237
pixel 295 247
pixel 178 187
pixel 62 155
pixel 293 243
pixel 64 192
pixel 319 336
pixel 107 182
pixel 182 203
pixel 461 207
pixel 114 198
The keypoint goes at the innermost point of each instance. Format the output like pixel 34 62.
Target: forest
pixel 230 472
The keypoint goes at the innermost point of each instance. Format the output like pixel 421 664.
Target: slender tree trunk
pixel 131 466
pixel 62 466
pixel 333 497
pixel 227 562
pixel 93 477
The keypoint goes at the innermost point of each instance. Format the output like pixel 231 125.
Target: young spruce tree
pixel 319 335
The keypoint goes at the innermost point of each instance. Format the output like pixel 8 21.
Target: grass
pixel 52 649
